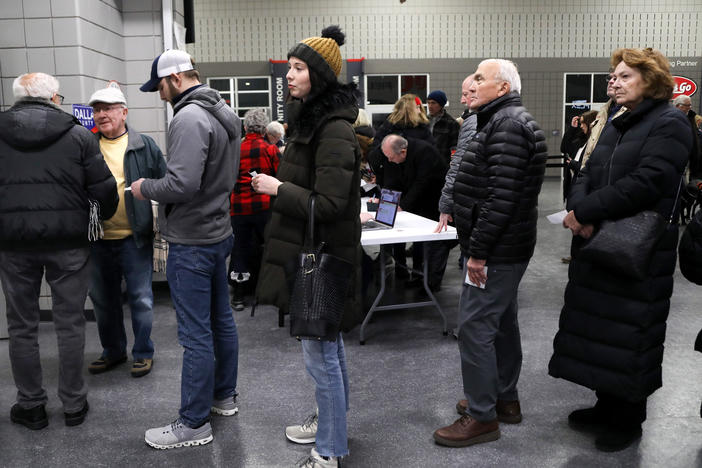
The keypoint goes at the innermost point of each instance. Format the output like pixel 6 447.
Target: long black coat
pixel 321 156
pixel 612 329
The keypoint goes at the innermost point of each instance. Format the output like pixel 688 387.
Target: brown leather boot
pixel 508 412
pixel 467 431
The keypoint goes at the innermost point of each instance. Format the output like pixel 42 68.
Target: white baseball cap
pixel 171 61
pixel 109 95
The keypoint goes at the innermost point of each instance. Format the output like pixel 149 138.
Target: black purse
pixel 625 246
pixel 320 286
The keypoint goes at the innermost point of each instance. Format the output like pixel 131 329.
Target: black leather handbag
pixel 319 289
pixel 625 246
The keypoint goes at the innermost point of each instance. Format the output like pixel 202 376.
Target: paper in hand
pixel 557 218
pixel 470 283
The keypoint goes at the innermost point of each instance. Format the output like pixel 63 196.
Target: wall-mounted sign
pixel 279 90
pixel 85 115
pixel 684 86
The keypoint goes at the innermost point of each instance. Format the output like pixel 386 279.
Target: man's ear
pixel 175 79
pixel 504 88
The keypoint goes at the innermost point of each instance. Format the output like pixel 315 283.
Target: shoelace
pixel 175 424
pixel 311 419
pixel 306 461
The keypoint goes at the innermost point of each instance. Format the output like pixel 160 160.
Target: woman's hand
pixel 583 230
pixel 263 183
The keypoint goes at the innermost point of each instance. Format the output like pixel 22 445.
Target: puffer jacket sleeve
pixel 335 166
pixel 99 182
pixel 507 157
pixel 663 158
pixel 468 129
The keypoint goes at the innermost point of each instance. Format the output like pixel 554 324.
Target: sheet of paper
pixel 469 282
pixel 557 218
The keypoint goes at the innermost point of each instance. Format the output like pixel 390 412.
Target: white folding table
pixel 408 227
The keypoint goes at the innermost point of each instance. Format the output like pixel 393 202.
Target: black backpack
pixel 690 250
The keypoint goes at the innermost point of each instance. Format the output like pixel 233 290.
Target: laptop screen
pixel 387 208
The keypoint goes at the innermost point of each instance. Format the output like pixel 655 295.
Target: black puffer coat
pixel 49 166
pixel 321 156
pixel 498 183
pixel 612 328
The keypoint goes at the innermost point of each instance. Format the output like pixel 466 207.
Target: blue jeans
pixel 197 277
pixel 326 363
pixel 111 260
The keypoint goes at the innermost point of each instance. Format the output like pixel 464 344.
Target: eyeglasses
pixel 61 98
pixel 98 109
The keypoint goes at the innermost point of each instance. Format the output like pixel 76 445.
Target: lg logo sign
pixel 683 86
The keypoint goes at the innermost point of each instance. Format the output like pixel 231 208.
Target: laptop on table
pixel 387 211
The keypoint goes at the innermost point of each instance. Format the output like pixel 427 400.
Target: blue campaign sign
pixel 85 115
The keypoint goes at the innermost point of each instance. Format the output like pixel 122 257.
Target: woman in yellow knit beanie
pixel 322 157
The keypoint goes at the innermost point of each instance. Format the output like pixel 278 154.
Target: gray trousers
pixel 489 341
pixel 67 274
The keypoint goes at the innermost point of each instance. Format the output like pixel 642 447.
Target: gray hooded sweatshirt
pixel 203 162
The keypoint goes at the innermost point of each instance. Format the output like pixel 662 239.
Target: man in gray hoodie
pixel 203 161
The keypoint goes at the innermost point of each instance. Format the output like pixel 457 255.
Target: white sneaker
pixel 315 460
pixel 225 407
pixel 177 434
pixel 304 433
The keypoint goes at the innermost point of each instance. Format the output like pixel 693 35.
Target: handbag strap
pixel 309 232
pixel 677 197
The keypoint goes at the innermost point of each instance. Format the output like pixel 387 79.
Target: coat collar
pixel 485 112
pixel 306 117
pixel 629 119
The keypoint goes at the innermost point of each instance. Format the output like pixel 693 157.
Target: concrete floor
pixel 404 384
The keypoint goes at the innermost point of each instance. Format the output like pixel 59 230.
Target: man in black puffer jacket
pixel 51 166
pixel 495 204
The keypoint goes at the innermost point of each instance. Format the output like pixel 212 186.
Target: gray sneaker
pixel 176 434
pixel 314 460
pixel 226 407
pixel 304 433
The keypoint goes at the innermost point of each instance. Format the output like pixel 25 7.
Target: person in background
pixel 443 127
pixel 275 133
pixel 409 121
pixel 469 125
pixel 193 197
pixel 573 162
pixel 51 169
pixel 612 326
pixel 684 104
pixel 126 249
pixel 365 135
pixel 322 157
pixel 250 210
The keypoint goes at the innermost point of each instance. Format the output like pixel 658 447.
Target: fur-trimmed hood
pixel 305 117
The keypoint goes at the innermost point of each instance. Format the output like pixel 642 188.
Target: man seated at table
pixel 422 175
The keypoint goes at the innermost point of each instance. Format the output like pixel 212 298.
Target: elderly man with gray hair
pixel 274 133
pixel 684 104
pixel 495 210
pixel 126 249
pixel 249 209
pixel 51 169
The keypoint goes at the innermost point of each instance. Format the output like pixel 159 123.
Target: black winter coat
pixel 612 328
pixel 445 133
pixel 498 183
pixel 321 156
pixel 422 176
pixel 387 174
pixel 51 166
